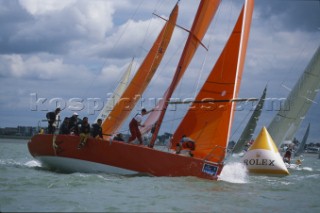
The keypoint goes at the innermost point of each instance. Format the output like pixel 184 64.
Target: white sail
pixel 116 94
pixel 286 122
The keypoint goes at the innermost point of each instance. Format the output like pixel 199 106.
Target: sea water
pixel 25 186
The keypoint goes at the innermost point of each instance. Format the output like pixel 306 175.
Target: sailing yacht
pixel 286 122
pixel 248 131
pixel 210 125
pixel 302 144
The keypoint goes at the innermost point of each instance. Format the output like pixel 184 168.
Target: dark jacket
pixel 96 130
pixel 51 116
pixel 85 127
pixel 73 124
pixel 64 129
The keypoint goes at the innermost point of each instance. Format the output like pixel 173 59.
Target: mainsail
pixel 142 77
pixel 202 20
pixel 209 123
pixel 116 94
pixel 287 121
pixel 248 131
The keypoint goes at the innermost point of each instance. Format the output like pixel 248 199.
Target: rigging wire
pixel 159 4
pixel 197 83
pixel 113 47
pixel 163 67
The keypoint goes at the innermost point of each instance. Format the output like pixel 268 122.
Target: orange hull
pixel 117 157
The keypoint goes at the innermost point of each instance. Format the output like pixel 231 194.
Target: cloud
pixel 38 7
pixel 55 26
pixel 35 67
pixel 120 43
pixel 291 15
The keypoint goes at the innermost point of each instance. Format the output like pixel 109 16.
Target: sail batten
pixel 142 77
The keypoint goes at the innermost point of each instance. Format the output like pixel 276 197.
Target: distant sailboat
pixel 210 128
pixel 116 94
pixel 287 121
pixel 302 144
pixel 248 131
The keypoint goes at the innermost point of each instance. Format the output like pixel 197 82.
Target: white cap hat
pixel 75 113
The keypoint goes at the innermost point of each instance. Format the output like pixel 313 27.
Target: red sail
pixel 209 123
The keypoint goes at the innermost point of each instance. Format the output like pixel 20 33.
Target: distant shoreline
pixel 15 137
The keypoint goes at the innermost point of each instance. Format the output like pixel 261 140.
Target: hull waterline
pixel 116 157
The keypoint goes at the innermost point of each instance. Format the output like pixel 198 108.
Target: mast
pixel 142 77
pixel 116 94
pixel 209 124
pixel 202 20
pixel 287 121
pixel 248 131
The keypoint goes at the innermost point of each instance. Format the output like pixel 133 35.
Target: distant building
pixel 26 130
pixel 10 131
pixel 18 131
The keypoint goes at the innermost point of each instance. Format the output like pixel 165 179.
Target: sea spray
pixel 234 172
pixel 33 163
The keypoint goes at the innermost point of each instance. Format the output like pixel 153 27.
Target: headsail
pixel 116 94
pixel 142 78
pixel 209 124
pixel 248 131
pixel 300 149
pixel 286 122
pixel 202 20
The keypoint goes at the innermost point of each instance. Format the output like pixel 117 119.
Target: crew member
pixel 53 119
pixel 134 126
pixel 97 130
pixel 84 132
pixel 186 146
pixel 287 154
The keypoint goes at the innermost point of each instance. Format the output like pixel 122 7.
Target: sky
pixel 72 54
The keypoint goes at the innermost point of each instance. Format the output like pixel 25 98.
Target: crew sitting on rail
pixel 96 130
pixel 74 121
pixel 64 128
pixel 84 132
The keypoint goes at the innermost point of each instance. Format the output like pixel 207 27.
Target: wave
pixel 14 163
pixel 234 172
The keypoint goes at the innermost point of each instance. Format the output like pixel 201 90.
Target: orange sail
pixel 202 20
pixel 209 119
pixel 142 77
pixel 209 126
